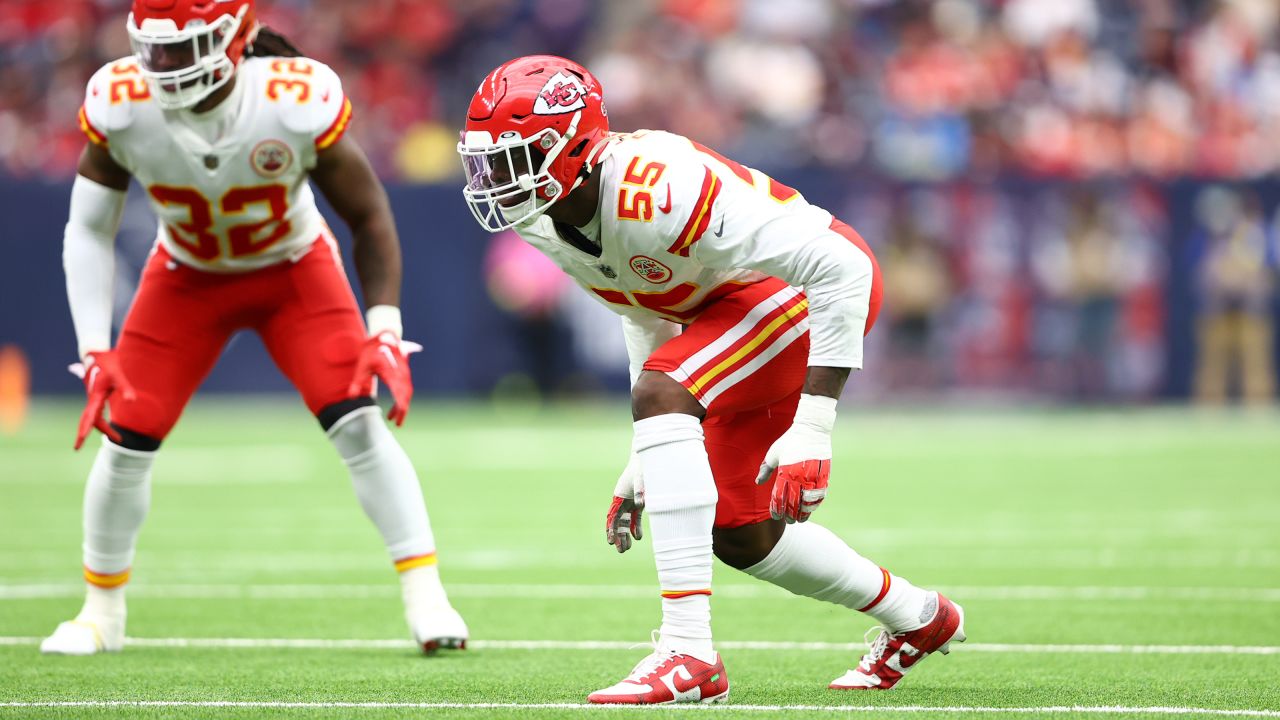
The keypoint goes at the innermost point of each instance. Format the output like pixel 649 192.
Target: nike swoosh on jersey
pixel 325 96
pixel 667 207
pixel 719 231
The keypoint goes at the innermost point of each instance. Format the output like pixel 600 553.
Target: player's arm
pixel 836 276
pixel 345 177
pixel 88 248
pixel 88 258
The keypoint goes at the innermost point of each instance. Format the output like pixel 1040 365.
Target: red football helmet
pixel 534 130
pixel 189 48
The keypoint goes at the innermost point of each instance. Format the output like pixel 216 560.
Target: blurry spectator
pixel 1095 266
pixel 916 89
pixel 1235 326
pixel 917 288
pixel 529 287
pixel 1095 272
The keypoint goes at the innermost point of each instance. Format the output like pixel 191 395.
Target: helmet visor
pixel 178 55
pixel 507 184
pixel 184 66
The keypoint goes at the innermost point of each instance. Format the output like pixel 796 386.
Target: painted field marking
pixel 398 644
pixel 49 591
pixel 726 707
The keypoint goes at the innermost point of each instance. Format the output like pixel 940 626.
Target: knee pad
pixel 130 440
pixel 673 458
pixel 359 431
pixel 329 415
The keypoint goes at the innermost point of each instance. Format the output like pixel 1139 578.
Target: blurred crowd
pixel 914 89
pixel 931 121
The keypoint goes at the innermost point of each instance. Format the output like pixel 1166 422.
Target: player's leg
pixel 810 560
pixel 668 404
pixel 314 336
pixel 749 405
pixel 680 497
pixel 168 343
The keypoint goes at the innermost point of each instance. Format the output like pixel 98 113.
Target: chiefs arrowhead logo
pixel 650 269
pixel 271 158
pixel 563 93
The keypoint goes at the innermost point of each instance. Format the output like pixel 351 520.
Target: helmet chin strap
pixel 590 163
pixel 554 152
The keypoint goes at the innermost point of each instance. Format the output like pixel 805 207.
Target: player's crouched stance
pixel 222 123
pixel 744 309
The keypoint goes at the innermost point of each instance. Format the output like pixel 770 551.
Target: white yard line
pixel 727 707
pixel 393 644
pixel 49 591
pixel 1013 554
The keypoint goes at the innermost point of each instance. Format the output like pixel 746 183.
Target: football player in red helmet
pixel 744 308
pixel 222 123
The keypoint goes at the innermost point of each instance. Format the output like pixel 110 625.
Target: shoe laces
pixel 652 661
pixel 875 648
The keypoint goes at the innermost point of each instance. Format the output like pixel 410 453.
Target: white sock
pixel 812 561
pixel 680 502
pixel 387 486
pixel 116 499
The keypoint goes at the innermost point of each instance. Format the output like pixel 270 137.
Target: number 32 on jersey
pixel 196 235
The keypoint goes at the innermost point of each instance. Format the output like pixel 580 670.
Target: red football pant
pixel 181 318
pixel 745 359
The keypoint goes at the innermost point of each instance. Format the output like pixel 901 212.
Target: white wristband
pixel 384 318
pixel 817 411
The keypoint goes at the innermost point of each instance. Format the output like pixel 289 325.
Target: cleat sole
pixel 432 646
pixel 716 699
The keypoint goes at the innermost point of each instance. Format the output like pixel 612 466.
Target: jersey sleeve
pixel 687 196
pixel 644 335
pixel 109 100
pixel 730 226
pixel 322 112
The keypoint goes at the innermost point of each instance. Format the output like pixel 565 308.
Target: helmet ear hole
pixel 577 149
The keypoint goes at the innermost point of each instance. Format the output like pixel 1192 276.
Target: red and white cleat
pixel 891 656
pixel 665 677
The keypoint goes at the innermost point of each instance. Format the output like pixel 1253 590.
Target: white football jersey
pixel 229 186
pixel 681 226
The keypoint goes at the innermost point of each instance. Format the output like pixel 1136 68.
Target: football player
pixel 222 123
pixel 744 309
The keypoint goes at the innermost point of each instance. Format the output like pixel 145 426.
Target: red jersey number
pixel 195 234
pixel 633 203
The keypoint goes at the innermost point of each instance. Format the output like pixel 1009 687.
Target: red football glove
pixel 386 356
pixel 800 461
pixel 102 376
pixel 622 523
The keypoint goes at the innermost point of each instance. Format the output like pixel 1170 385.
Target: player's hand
pixel 800 461
pixel 623 521
pixel 387 357
pixel 102 376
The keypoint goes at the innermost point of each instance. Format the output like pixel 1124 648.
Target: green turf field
pixel 1122 560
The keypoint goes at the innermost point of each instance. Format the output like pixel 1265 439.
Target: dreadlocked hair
pixel 270 43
